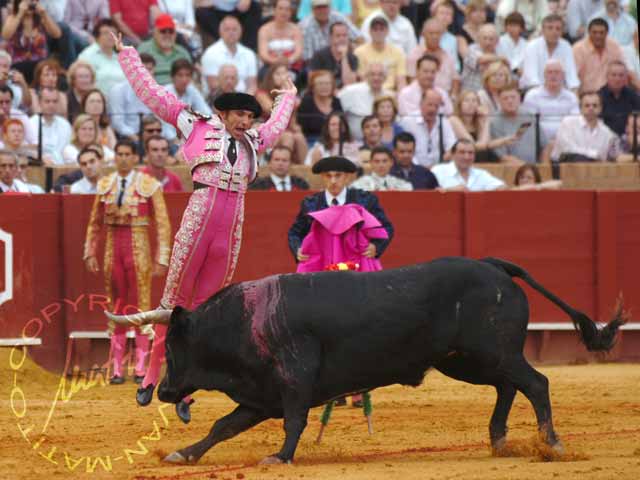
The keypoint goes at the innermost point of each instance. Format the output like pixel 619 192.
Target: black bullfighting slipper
pixel 144 395
pixel 116 380
pixel 138 379
pixel 183 411
pixel 340 402
pixel 357 404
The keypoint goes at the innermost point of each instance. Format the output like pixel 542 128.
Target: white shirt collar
pixel 341 197
pixel 128 178
pixel 277 181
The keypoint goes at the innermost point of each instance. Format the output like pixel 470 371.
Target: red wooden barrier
pixel 584 246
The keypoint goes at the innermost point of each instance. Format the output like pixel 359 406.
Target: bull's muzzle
pixel 160 315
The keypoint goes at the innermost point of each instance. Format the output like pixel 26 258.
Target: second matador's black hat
pixel 334 164
pixel 238 101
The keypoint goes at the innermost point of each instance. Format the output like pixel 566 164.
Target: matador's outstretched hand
pixel 289 87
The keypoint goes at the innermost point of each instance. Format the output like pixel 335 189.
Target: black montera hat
pixel 334 164
pixel 238 101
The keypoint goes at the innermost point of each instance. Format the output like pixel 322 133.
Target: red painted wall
pixel 582 245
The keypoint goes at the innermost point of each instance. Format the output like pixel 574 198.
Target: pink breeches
pixel 204 257
pixel 123 284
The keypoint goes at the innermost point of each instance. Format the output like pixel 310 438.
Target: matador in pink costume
pixel 222 152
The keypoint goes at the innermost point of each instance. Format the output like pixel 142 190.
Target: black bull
pixel 281 345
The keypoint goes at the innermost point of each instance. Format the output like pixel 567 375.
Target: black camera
pixel 32 5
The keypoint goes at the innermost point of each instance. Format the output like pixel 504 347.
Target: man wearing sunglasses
pixel 163 48
pixel 222 152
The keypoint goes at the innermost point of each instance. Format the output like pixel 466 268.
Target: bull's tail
pixel 595 339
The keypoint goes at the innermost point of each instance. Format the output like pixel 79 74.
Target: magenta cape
pixel 341 234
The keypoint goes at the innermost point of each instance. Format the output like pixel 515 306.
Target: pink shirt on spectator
pixel 170 183
pixel 134 13
pixel 591 65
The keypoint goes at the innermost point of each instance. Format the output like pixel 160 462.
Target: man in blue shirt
pixel 404 148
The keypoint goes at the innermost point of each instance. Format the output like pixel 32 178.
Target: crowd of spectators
pixel 413 92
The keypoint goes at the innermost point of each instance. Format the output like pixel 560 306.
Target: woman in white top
pixel 335 128
pixel 280 40
pixel 85 132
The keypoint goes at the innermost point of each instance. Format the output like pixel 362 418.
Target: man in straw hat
pixel 222 152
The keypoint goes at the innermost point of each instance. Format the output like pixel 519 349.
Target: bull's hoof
pixel 272 460
pixel 183 411
pixel 558 448
pixel 144 395
pixel 178 458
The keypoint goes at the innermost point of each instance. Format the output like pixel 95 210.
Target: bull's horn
pixel 159 315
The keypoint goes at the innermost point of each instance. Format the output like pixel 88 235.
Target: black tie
pixel 334 202
pixel 283 184
pixel 231 151
pixel 123 184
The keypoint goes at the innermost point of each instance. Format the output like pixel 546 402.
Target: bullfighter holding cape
pixel 222 152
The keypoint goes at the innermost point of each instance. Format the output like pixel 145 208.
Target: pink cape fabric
pixel 341 234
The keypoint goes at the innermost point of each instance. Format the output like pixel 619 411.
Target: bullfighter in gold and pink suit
pixel 222 152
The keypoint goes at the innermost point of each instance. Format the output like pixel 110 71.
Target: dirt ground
pixel 438 431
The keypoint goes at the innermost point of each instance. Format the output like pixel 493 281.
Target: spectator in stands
pixel 94 103
pixel 410 97
pixel 470 121
pixel 357 99
pixel 622 26
pixel 371 138
pixel 444 13
pixel 315 28
pixel 630 142
pixel 459 174
pixel 81 17
pixel 585 138
pixel 479 56
pixel 47 75
pixel 13 136
pixel 157 157
pixel 90 161
pixel 593 54
pixel 126 108
pixel 512 44
pixel 533 11
pixel 537 55
pixel 632 59
pixel 378 50
pixel 513 134
pixel 475 17
pixel 401 32
pixel 151 126
pixel 618 99
pixel 337 57
pixel 228 80
pixel 385 110
pixel 430 145
pixel 9 173
pixel 85 132
pixel 279 178
pixel 133 18
pixel 81 78
pixel 553 101
pixel 228 50
pixel 495 76
pixel 335 139
pixel 56 131
pixel 280 40
pixel 247 12
pixel 182 87
pixel 23 168
pixel 317 104
pixel 183 13
pixel 447 77
pixel 528 177
pixel 404 148
pixel 292 138
pixel 361 9
pixel 15 81
pixel 344 7
pixel 579 12
pixel 163 47
pixel 380 178
pixel 7 112
pixel 101 56
pixel 27 29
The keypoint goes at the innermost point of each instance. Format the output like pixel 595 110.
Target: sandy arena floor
pixel 438 431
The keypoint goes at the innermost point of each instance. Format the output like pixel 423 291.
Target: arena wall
pixel 582 245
